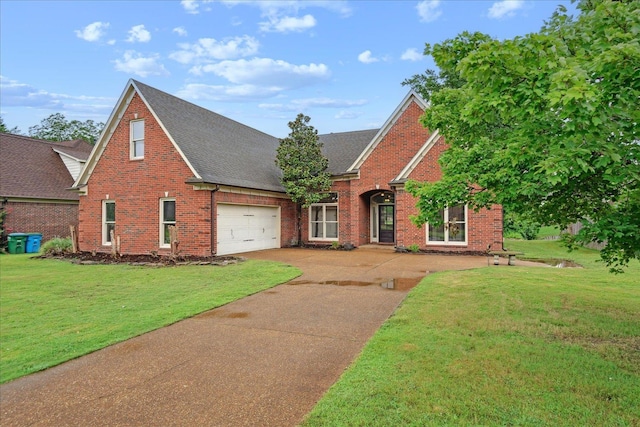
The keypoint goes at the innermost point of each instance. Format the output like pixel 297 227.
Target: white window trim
pixel 324 223
pixel 162 222
pixel 446 241
pixel 132 142
pixel 105 234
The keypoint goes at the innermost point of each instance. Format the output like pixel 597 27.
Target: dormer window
pixel 137 139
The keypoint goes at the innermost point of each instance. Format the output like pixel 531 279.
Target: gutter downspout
pixel 213 218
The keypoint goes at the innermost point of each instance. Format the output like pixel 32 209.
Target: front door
pixel 385 230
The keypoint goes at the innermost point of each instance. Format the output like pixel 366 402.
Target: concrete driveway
pixel 262 360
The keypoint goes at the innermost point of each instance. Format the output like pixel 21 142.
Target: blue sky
pixel 258 62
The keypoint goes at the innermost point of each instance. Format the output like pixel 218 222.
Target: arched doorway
pixel 383 217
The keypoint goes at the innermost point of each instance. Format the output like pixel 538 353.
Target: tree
pixel 57 128
pixel 5 129
pixel 304 167
pixel 547 126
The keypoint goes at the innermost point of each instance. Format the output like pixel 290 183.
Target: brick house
pixel 35 176
pixel 163 161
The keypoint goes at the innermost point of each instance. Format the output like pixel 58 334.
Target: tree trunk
pixel 299 223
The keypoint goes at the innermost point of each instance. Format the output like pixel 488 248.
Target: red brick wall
pixel 392 154
pixel 50 219
pixel 137 186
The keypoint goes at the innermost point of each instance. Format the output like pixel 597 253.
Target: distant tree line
pixel 56 127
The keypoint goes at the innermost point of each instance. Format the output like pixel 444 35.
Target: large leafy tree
pixel 304 167
pixel 545 124
pixel 56 127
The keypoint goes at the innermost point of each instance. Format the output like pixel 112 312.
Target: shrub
pixel 520 225
pixel 57 246
pixel 414 248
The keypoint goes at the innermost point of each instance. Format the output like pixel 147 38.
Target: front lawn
pixel 52 311
pixel 502 346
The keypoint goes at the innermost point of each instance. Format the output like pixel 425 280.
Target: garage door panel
pixel 243 228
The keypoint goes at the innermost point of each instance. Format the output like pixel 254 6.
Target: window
pixel 453 229
pixel 137 139
pixel 323 221
pixel 108 220
pixel 167 218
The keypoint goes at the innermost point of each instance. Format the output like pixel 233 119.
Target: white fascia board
pixel 412 96
pixel 178 149
pixel 426 147
pixel 110 127
pixel 62 153
pixel 105 135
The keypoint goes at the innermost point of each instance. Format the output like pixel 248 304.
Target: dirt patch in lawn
pixel 88 258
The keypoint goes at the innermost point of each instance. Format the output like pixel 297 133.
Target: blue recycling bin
pixel 33 242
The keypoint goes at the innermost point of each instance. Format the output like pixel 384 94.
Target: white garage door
pixel 244 228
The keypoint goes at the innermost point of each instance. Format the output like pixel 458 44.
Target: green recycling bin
pixel 17 243
pixel 33 243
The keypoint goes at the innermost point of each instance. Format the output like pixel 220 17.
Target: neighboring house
pixel 162 161
pixel 35 177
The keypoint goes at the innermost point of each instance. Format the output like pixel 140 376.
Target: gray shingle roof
pixel 226 152
pixel 77 149
pixel 342 149
pixel 31 169
pixel 221 150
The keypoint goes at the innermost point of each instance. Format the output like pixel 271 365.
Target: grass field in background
pixel 502 345
pixel 52 311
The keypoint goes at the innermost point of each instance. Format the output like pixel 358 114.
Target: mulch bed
pixel 89 258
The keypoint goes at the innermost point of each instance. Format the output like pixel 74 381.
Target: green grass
pixel 548 231
pixel 52 311
pixel 502 346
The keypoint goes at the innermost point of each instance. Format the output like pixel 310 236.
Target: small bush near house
pixel 57 246
pixel 414 248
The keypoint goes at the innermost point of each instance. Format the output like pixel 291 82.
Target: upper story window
pixel 108 220
pixel 452 230
pixel 137 139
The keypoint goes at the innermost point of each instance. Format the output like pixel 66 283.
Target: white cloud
pixel 280 7
pixel 180 31
pixel 206 50
pixel 138 34
pixel 16 94
pixel 367 58
pixel 348 115
pixel 238 93
pixel 193 6
pixel 505 8
pixel 288 24
pixel 266 72
pixel 93 32
pixel 133 62
pixel 428 10
pixel 411 54
pixel 308 103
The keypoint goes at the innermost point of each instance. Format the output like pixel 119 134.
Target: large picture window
pixel 108 220
pixel 137 139
pixel 167 219
pixel 452 230
pixel 323 221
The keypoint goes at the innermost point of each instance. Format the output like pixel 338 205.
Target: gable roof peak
pixel 411 96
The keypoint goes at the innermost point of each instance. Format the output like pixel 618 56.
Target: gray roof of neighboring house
pixel 30 168
pixel 223 151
